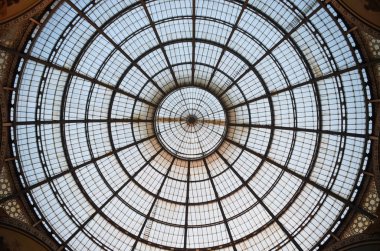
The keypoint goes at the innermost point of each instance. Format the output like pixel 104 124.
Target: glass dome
pixel 202 124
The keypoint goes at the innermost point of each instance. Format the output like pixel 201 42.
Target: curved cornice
pixel 10 9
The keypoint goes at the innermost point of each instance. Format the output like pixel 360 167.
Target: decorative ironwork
pixel 191 124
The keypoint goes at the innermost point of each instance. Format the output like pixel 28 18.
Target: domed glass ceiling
pixel 191 124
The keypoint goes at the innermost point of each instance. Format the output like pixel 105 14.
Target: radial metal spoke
pixel 217 197
pixel 228 40
pixel 213 112
pixel 193 17
pixel 200 64
pixel 308 181
pixel 170 128
pixel 153 25
pixel 74 73
pixel 79 121
pixel 308 82
pixel 275 218
pixel 181 143
pixel 114 194
pixel 187 203
pixel 268 52
pixel 183 120
pixel 153 204
pixel 220 205
pixel 297 129
pixel 114 44
pixel 75 168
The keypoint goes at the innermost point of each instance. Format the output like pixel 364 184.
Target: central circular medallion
pixel 190 123
pixel 191 120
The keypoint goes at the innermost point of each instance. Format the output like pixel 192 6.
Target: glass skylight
pixel 191 124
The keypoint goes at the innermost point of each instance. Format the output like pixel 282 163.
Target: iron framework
pixel 292 136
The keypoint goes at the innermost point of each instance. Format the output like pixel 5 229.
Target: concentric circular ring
pixel 190 123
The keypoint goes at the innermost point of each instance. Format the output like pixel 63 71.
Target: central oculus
pixel 190 123
pixel 191 120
